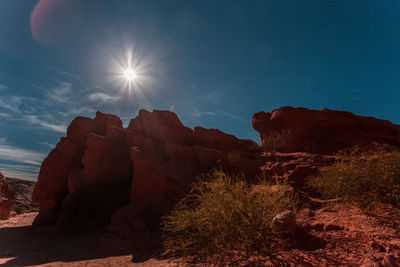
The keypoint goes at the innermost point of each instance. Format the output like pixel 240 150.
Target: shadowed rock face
pixel 65 160
pixel 322 131
pixel 156 156
pixel 7 198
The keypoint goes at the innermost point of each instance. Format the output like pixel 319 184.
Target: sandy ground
pixel 23 245
pixel 340 235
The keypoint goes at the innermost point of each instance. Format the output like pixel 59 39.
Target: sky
pixel 214 63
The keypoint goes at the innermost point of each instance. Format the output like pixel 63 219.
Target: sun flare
pixel 130 74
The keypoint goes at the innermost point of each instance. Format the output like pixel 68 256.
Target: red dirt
pixel 340 235
pixel 23 245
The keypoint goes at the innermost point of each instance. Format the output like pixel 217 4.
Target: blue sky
pixel 214 63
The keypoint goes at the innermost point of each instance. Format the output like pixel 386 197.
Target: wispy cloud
pixel 81 110
pixel 4 115
pixel 233 116
pixel 70 74
pixel 102 97
pixel 61 92
pixel 197 113
pixel 10 103
pixel 47 144
pixel 61 128
pixel 20 171
pixel 2 87
pixel 21 155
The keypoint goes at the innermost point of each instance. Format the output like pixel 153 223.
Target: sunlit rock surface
pixel 7 198
pixel 290 129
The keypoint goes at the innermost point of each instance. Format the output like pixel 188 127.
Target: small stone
pixel 333 227
pixel 284 223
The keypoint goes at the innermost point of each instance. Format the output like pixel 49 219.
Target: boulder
pixel 290 129
pixel 284 223
pixel 7 198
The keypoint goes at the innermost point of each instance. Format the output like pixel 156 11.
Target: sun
pixel 130 74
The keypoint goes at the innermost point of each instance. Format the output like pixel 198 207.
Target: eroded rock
pixel 52 186
pixel 290 129
pixel 7 198
pixel 156 155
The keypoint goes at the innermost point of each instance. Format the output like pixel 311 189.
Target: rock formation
pixel 289 129
pixel 23 191
pixel 64 163
pixel 142 170
pixel 7 198
pixel 156 155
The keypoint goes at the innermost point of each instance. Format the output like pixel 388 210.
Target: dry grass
pixel 273 141
pixel 365 178
pixel 225 218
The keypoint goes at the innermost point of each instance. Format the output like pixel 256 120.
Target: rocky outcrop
pixel 133 175
pixel 65 160
pixel 7 198
pixel 294 167
pixel 289 129
pixel 127 178
pixel 23 191
pixel 156 156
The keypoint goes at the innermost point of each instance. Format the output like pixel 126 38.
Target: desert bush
pixel 275 140
pixel 24 208
pixel 362 177
pixel 225 218
pixel 21 208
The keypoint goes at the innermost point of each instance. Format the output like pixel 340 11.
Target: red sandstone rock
pixel 51 188
pixel 295 167
pixel 154 186
pixel 322 131
pixel 158 157
pixel 157 152
pixel 7 198
pixel 214 138
pixel 101 160
pixel 163 126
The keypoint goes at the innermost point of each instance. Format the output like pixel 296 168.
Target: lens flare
pixel 126 72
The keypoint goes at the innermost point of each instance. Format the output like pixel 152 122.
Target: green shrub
pixel 362 177
pixel 223 218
